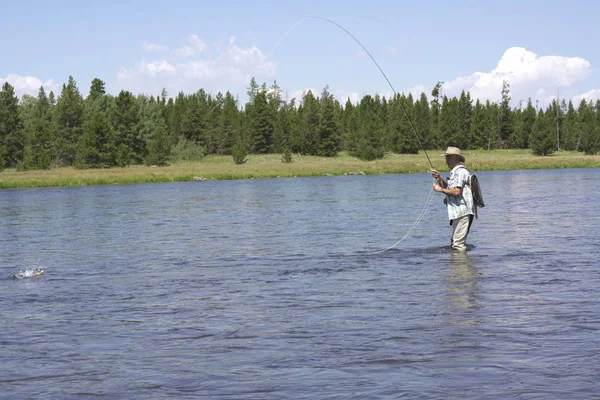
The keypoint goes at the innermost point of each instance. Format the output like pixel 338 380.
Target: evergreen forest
pixel 103 131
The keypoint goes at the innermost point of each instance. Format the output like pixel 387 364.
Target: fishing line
pixel 414 130
pixel 382 73
pixel 413 226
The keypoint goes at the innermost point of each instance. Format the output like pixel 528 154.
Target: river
pixel 278 289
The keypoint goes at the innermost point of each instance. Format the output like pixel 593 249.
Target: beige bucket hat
pixel 454 151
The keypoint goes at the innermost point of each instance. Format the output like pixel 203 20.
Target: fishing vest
pixel 475 190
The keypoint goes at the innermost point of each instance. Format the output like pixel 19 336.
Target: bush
pixel 238 152
pixel 286 157
pixel 186 150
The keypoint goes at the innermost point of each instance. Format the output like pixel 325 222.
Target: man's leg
pixel 459 233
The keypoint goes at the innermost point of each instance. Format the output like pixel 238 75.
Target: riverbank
pixel 270 166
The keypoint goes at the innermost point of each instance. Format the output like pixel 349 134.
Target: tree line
pixel 102 130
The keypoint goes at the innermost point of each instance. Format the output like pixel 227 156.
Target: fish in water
pixel 29 273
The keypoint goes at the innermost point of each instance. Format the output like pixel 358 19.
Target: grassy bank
pixel 270 166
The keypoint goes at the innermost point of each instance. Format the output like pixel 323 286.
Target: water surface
pixel 269 289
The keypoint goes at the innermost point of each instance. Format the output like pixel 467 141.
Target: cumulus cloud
pixel 191 67
pixel 29 84
pixel 154 69
pixel 195 45
pixel 529 76
pixel 589 96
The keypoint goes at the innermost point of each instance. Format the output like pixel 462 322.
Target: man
pixel 459 199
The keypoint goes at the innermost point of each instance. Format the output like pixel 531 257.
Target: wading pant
pixel 460 230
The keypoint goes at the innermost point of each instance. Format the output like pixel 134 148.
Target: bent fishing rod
pixel 386 78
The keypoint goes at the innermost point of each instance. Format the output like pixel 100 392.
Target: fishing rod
pixel 430 196
pixel 414 130
pixel 382 73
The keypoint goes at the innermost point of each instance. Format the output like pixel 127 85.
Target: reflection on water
pixel 269 289
pixel 462 289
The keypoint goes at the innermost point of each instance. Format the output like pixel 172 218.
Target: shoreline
pixel 270 166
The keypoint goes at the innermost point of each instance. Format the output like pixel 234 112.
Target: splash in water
pixel 29 273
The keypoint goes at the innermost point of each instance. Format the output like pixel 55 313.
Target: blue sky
pixel 540 47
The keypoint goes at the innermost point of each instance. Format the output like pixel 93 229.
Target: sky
pixel 543 49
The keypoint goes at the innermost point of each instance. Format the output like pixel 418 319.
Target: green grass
pixel 270 166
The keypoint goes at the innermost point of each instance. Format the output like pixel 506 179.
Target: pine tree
pixel 451 133
pixel 588 129
pixel 569 133
pixel 506 124
pixel 276 105
pixel 68 122
pixel 12 141
pixel 543 137
pixel 239 148
pixel 348 126
pixel 328 130
pixel 515 141
pixel 124 120
pixel 478 127
pixel 285 125
pixel 557 120
pixel 422 121
pixel 529 117
pixel 96 147
pixel 434 138
pixel 261 123
pixel 153 131
pixel 309 125
pixel 492 126
pixel 465 114
pixel 401 139
pixel 193 123
pixel 228 123
pixel 38 153
pixel 26 109
pixel 97 88
pixel 370 138
pixel 253 89
pixel 213 141
pixel 176 112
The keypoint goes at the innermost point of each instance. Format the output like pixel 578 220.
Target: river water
pixel 273 289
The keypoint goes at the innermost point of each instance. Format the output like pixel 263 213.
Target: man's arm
pixel 455 191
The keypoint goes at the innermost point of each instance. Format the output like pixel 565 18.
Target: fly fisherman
pixel 459 199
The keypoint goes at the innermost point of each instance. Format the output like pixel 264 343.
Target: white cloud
pixel 195 46
pixel 29 85
pixel 391 50
pixel 344 95
pixel 152 47
pixel 190 68
pixel 196 42
pixel 185 51
pixel 299 94
pixel 528 75
pixel 153 69
pixel 361 54
pixel 591 95
pixel 416 91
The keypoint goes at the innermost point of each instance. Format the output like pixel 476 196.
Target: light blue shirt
pixel 459 206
